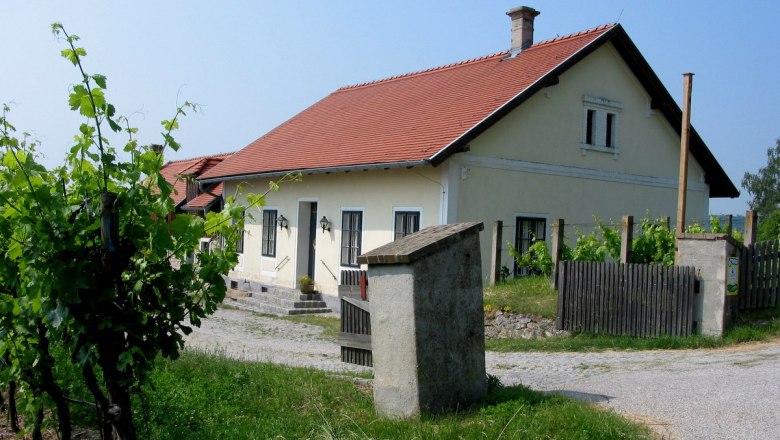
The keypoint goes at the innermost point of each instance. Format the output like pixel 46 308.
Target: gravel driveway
pixel 688 394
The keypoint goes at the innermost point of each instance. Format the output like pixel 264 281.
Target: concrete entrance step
pixel 275 300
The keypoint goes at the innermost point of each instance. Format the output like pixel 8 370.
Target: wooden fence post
pixel 626 238
pixel 557 250
pixel 729 223
pixel 495 263
pixel 751 227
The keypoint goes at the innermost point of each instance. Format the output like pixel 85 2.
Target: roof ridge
pixel 210 156
pixel 421 72
pixel 574 35
pixel 472 60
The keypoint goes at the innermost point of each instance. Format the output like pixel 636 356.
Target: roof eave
pixel 322 170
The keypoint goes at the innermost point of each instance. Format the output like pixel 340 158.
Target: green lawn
pixel 205 397
pixel 533 295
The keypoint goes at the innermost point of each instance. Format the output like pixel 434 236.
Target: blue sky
pixel 253 65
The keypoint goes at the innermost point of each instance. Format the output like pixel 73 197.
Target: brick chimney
pixel 522 28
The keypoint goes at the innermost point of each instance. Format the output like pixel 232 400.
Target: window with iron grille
pixel 528 230
pixel 269 233
pixel 351 232
pixel 406 222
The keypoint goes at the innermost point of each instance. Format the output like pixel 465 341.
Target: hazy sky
pixel 253 65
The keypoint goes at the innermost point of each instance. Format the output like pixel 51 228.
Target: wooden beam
pixel 685 139
pixel 495 263
pixel 626 238
pixel 557 250
pixel 354 340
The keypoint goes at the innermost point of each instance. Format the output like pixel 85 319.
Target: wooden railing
pixel 626 299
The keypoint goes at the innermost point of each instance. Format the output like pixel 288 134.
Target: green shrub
pixel 537 260
pixel 655 244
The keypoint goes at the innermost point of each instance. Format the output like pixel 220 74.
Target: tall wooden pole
pixel 685 137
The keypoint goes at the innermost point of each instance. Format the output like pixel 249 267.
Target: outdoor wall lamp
pixel 325 224
pixel 282 222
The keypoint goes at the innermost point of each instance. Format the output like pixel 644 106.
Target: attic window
pixel 600 125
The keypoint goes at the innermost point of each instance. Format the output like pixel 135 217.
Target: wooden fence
pixel 355 335
pixel 759 275
pixel 626 299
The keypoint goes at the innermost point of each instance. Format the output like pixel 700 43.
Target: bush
pixel 537 260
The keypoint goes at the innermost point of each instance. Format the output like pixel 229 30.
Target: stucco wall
pixel 376 193
pixel 531 162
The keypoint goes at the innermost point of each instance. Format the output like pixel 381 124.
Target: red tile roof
pixel 423 117
pixel 205 199
pixel 174 172
pixel 407 118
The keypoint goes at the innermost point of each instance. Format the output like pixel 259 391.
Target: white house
pixel 567 128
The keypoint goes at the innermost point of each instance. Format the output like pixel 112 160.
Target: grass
pixel 533 295
pixel 204 397
pixel 331 325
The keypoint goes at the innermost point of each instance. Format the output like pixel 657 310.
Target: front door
pixel 312 239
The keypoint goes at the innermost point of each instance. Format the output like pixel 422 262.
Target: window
pixel 240 240
pixel 406 222
pixel 528 230
pixel 610 140
pixel 351 231
pixel 601 124
pixel 589 129
pixel 269 233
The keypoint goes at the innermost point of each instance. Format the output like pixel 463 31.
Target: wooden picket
pixel 626 299
pixel 355 335
pixel 759 278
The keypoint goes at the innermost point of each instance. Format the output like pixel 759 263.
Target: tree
pixel 89 262
pixel 764 186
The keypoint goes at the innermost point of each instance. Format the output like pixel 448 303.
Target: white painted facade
pixel 531 163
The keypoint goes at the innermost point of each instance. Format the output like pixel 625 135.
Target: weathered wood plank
pixel 354 340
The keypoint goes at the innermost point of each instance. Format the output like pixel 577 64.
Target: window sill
pixel 584 148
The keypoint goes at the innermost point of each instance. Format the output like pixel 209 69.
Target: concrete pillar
pixel 427 328
pixel 715 307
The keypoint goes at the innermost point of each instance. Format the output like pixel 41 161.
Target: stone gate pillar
pixel 427 325
pixel 715 307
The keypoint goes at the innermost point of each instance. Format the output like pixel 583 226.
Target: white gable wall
pixel 531 163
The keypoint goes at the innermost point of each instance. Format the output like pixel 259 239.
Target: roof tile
pixel 406 118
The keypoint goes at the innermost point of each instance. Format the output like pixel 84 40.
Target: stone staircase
pixel 274 300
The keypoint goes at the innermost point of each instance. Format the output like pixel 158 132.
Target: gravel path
pixel 688 394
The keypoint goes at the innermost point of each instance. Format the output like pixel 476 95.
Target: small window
pixel 269 233
pixel 528 230
pixel 406 222
pixel 351 232
pixel 610 140
pixel 600 128
pixel 589 128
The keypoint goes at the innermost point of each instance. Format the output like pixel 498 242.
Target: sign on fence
pixel 732 277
